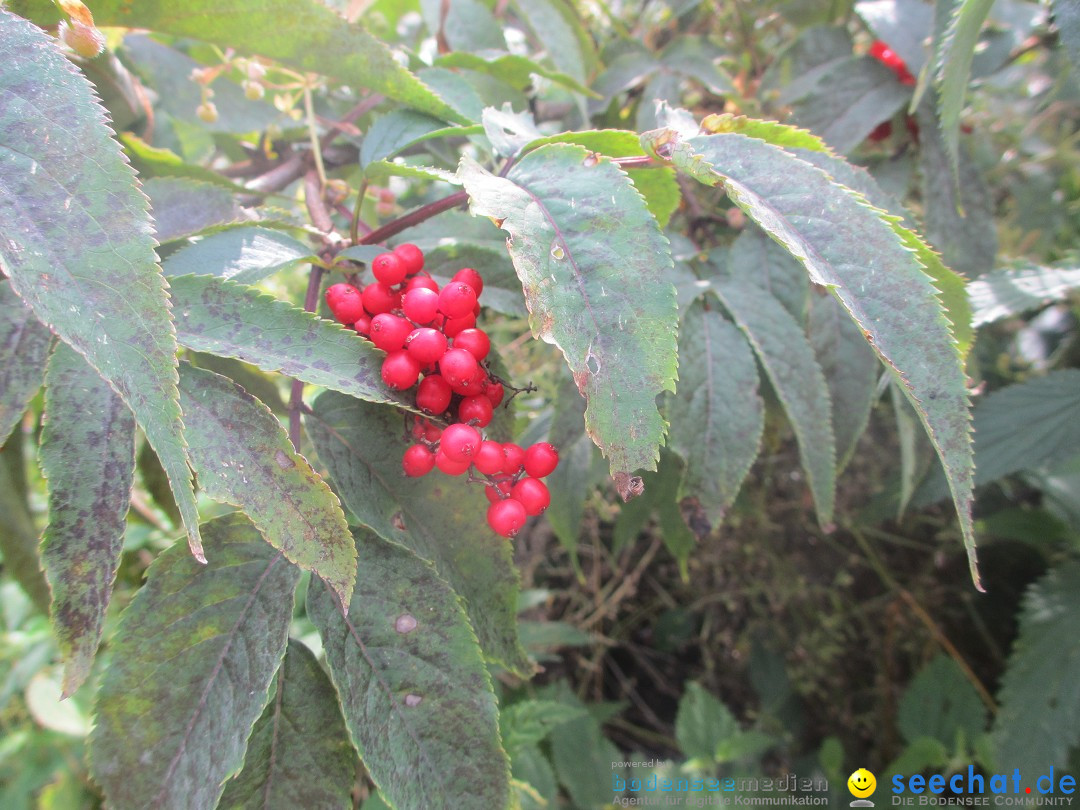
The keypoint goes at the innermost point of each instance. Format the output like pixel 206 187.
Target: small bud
pixel 253 90
pixel 85 40
pixel 337 191
pixel 207 112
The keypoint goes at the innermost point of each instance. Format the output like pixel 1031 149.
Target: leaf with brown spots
pixel 24 345
pixel 416 693
pixel 242 456
pixel 88 456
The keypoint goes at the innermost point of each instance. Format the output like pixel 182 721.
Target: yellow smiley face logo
pixel 862 783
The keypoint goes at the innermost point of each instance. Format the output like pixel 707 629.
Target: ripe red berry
pixel 470 277
pixel 455 326
pixel 541 459
pixel 421 305
pixel 345 302
pixel 460 442
pixel 388 332
pixel 417 461
pixel 378 298
pixel 475 410
pixel 399 370
pixel 427 345
pixel 515 458
pixel 493 391
pixel 432 432
pixel 433 395
pixel 499 492
pixel 427 282
pixel 448 465
pixel 881 132
pixel 532 494
pixel 388 269
pixel 363 325
pixel 457 299
pixel 489 459
pixel 411 257
pixel 474 341
pixel 459 367
pixel 506 517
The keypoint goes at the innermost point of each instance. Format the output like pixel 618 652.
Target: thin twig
pixel 421 214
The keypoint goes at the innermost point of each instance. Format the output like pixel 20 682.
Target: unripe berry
pixel 470 277
pixel 532 494
pixel 489 458
pixel 420 305
pixel 459 367
pixel 85 40
pixel 400 371
pixel 506 517
pixel 457 299
pixel 474 341
pixel 449 466
pixel 388 332
pixel 345 302
pixel 411 256
pixel 475 410
pixel 207 112
pixel 427 345
pixel 460 442
pixel 378 298
pixel 433 395
pixel 417 461
pixel 388 269
pixel 541 459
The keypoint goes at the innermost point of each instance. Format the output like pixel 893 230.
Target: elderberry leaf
pixel 303 34
pixel 24 347
pixel 414 688
pixel 183 207
pixel 514 69
pixel 439 518
pixel 77 242
pixel 243 255
pixel 233 320
pixel 857 253
pixel 717 416
pixel 192 661
pixel 299 754
pixel 594 268
pixel 88 456
pixel 1013 290
pixel 557 26
pixel 242 456
pixel 955 51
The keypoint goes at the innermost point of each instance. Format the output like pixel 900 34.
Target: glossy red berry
pixel 378 298
pixel 455 326
pixel 417 461
pixel 388 332
pixel 449 466
pixel 433 395
pixel 470 277
pixel 881 132
pixel 515 458
pixel 489 459
pixel 498 492
pixel 388 269
pixel 532 494
pixel 400 371
pixel 411 257
pixel 459 367
pixel 475 410
pixel 494 392
pixel 432 432
pixel 506 517
pixel 420 305
pixel 457 299
pixel 345 301
pixel 427 345
pixel 427 282
pixel 460 442
pixel 541 459
pixel 474 341
pixel 363 325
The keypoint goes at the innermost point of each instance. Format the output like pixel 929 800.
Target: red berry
pixel 506 517
pixel 475 410
pixel 378 298
pixel 489 459
pixel 388 332
pixel 449 466
pixel 474 341
pixel 499 492
pixel 399 370
pixel 427 282
pixel 493 391
pixel 418 428
pixel 421 305
pixel 411 256
pixel 460 442
pixel 455 326
pixel 432 432
pixel 515 458
pixel 879 50
pixel 433 395
pixel 881 132
pixel 363 325
pixel 457 299
pixel 427 345
pixel 459 367
pixel 345 302
pixel 532 494
pixel 541 459
pixel 417 461
pixel 470 277
pixel 388 269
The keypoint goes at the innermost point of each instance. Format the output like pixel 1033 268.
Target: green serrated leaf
pixel 1014 290
pixel 788 359
pixel 399 129
pixel 1039 716
pixel 940 703
pixel 233 320
pixel 514 69
pixel 530 721
pixel 415 692
pixel 460 93
pixel 88 455
pixel 703 723
pixel 24 347
pixel 529 766
pixel 77 241
pixel 191 664
pixel 183 207
pixel 856 252
pixel 242 456
pixel 440 519
pixel 579 233
pixel 582 755
pixel 757 260
pixel 299 754
pixel 953 69
pixel 695 57
pixel 559 30
pixel 244 255
pixel 509 132
pixel 717 417
pixel 783 135
pixel 381 170
pixel 303 34
pixel 150 161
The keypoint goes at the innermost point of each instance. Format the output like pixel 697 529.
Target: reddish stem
pixel 421 214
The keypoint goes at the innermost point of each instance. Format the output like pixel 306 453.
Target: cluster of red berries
pixel 430 337
pixel 891 59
